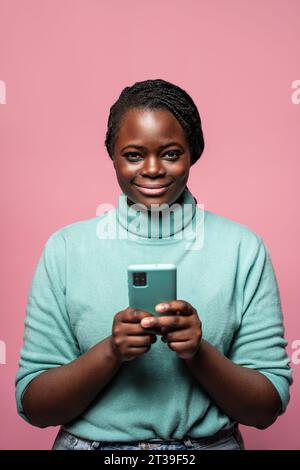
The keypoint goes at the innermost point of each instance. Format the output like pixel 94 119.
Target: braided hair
pixel 158 94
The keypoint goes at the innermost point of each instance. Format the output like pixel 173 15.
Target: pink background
pixel 64 63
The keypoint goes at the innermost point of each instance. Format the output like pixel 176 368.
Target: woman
pixel 94 366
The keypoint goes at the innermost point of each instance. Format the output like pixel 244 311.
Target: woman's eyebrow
pixel 161 147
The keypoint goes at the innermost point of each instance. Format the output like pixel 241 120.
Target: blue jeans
pixel 225 439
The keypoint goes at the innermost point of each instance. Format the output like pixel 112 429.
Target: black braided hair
pixel 158 94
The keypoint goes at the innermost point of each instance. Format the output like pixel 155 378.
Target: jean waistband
pixel 221 434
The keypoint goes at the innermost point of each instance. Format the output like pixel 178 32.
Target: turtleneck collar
pixel 159 222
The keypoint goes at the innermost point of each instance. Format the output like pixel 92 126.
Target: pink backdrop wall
pixel 64 62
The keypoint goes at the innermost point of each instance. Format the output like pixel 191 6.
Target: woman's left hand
pixel 180 328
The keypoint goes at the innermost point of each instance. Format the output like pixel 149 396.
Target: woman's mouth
pixel 152 190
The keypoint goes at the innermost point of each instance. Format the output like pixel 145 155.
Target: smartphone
pixel 151 284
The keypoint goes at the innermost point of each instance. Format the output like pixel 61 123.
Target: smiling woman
pixel 154 136
pixel 157 171
pixel 94 366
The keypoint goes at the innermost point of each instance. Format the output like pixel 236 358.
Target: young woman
pixel 94 366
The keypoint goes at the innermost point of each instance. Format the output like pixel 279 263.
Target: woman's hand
pixel 181 328
pixel 129 339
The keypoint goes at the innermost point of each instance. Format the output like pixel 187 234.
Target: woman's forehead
pixel 145 123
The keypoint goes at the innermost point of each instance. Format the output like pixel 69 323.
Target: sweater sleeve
pixel 259 342
pixel 48 338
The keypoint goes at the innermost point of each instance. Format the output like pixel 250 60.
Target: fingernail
pixel 162 306
pixel 146 322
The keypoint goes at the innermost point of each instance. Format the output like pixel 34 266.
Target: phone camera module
pixel 139 279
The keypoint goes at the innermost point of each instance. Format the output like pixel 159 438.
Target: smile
pixel 148 191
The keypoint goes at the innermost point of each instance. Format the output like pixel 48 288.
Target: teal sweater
pixel 80 283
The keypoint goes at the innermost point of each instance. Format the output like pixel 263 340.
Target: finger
pixel 137 351
pixel 169 322
pixel 177 307
pixel 135 329
pixel 178 336
pixel 181 346
pixel 165 329
pixel 153 330
pixel 141 341
pixel 132 315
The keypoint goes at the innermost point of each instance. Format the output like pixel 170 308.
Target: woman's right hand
pixel 129 339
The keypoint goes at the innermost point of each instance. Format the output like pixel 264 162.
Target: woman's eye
pixel 171 155
pixel 132 156
pixel 174 154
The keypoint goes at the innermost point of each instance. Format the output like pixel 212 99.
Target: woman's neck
pixel 158 223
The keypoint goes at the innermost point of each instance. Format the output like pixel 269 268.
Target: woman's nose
pixel 152 166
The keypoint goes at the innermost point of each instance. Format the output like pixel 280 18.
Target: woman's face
pixel 151 157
